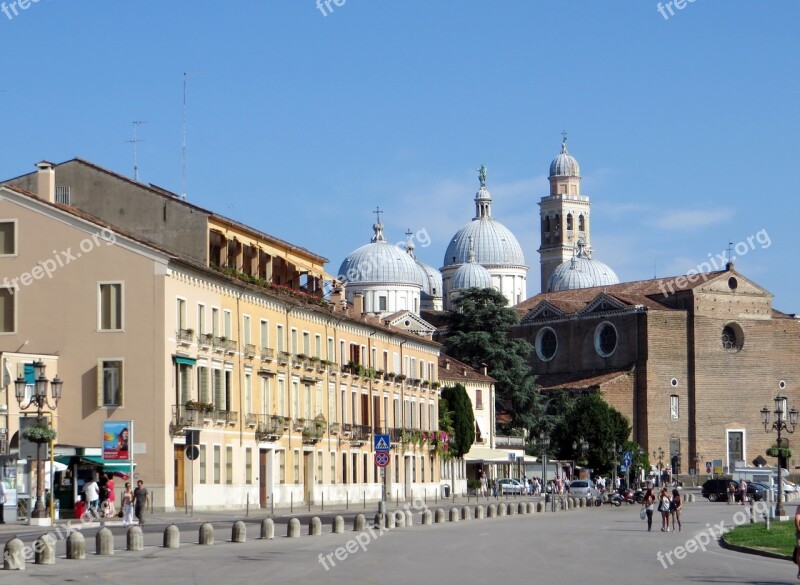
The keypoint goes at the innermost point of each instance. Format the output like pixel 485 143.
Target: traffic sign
pixel 382 458
pixel 382 442
pixel 192 452
pixel 512 456
pixel 708 466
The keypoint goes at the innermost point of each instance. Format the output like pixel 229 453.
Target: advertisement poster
pixel 116 440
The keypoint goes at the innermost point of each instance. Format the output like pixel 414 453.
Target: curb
pixel 753 551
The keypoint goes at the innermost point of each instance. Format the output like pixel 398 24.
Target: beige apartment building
pixel 230 337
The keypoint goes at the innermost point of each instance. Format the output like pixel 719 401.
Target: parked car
pixel 716 490
pixel 582 488
pixel 509 486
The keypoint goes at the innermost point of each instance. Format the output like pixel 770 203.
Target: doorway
pixel 264 477
pixel 180 482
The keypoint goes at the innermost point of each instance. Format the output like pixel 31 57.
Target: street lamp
pixel 544 443
pixel 615 453
pixel 660 455
pixel 779 425
pixel 697 459
pixel 39 399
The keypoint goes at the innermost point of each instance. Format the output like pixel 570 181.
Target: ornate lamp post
pixel 543 443
pixel 779 425
pixel 615 452
pixel 660 455
pixel 39 399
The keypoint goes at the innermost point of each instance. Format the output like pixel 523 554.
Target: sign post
pixel 192 453
pixel 382 444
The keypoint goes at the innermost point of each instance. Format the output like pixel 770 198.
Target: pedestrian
pixel 3 499
pixel 92 491
pixel 663 507
pixel 484 485
pixel 127 505
pixel 141 501
pixel 647 504
pixel 743 492
pixel 731 493
pixel 675 507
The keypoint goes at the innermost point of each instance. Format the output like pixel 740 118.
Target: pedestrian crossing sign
pixel 382 442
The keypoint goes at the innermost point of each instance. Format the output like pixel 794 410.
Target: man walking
pixel 141 501
pixel 2 500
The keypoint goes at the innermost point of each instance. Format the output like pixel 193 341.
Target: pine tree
pixel 460 405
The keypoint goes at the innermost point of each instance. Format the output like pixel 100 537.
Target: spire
pixel 582 250
pixel 483 199
pixel 378 227
pixel 410 244
pixel 564 142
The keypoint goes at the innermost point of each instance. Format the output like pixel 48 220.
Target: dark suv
pixel 716 490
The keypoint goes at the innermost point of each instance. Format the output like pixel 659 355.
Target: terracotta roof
pixel 638 292
pixel 576 380
pixel 459 371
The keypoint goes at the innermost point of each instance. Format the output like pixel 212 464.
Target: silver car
pixel 582 488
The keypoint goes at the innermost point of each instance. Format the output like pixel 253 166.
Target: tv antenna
pixel 185 131
pixel 135 142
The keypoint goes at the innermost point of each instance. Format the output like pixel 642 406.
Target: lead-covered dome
pixel 564 165
pixel 581 271
pixel 380 262
pixel 471 275
pixel 429 278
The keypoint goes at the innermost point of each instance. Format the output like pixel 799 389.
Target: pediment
pixel 602 303
pixel 732 282
pixel 409 321
pixel 543 311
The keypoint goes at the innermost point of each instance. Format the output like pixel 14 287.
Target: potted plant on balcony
pixel 199 406
pixel 41 432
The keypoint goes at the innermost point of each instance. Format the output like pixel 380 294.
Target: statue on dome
pixel 482 176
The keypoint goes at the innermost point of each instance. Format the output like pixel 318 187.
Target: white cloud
pixel 691 219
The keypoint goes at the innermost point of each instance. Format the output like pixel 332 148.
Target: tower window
pixel 569 222
pixel 581 223
pixel 547 224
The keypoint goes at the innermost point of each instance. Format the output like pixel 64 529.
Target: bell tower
pixel 563 215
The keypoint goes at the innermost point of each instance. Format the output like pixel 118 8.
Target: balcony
pixel 284 357
pixel 508 441
pixel 185 336
pixel 298 424
pixel 347 430
pixel 333 428
pixel 313 431
pixel 361 433
pixel 230 346
pixel 267 354
pixel 205 340
pixel 181 419
pixel 251 420
pixel 250 350
pixel 396 435
pixel 218 343
pixel 269 427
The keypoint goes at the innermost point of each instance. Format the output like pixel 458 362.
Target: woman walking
pixel 675 509
pixel 648 502
pixel 663 507
pixel 127 505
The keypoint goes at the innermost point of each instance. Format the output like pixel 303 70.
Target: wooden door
pixel 262 479
pixel 180 484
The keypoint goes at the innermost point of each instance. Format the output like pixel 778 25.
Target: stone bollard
pixel 491 512
pixel 691 497
pixel 267 529
pixel 104 542
pixel 239 532
pixel 135 538
pixel 14 555
pixel 581 502
pixel 76 547
pixel 502 509
pixel 480 513
pixel 466 513
pixel 293 528
pixel 531 508
pixel 455 516
pixel 540 507
pixel 44 550
pixel 360 523
pixel 206 537
pixel 427 517
pixel 399 518
pixel 338 525
pixel 389 521
pixel 409 518
pixel 172 537
pixel 440 517
pixel 379 520
pixel 511 509
pixel 315 526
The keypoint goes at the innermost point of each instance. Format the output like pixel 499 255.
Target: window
pixel 294 341
pixel 202 460
pixel 109 383
pixel 217 456
pixel 248 392
pixel 203 393
pixel 330 357
pixel 8 238
pixel 319 467
pixel 382 303
pixel 307 401
pixel 180 313
pixel 280 341
pixel 306 343
pixel 264 333
pixel 282 397
pixel 605 339
pixel 478 399
pixel 332 402
pixel 295 399
pixel 546 344
pixel 674 406
pixel 201 319
pixel 226 324
pixel 229 465
pixel 296 454
pixel 63 194
pixel 246 329
pixel 732 337
pixel 266 397
pixel 317 346
pixel 219 390
pixel 215 321
pixel 318 405
pixel 282 467
pixel 333 466
pixel 7 324
pixel 248 465
pixel 111 307
pixel 185 382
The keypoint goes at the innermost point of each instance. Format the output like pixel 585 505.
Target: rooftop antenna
pixel 730 250
pixel 135 141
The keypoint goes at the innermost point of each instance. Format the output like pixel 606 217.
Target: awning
pixel 487 455
pixel 184 360
pixel 479 426
pixel 109 465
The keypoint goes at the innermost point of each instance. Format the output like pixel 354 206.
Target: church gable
pixel 731 282
pixel 602 304
pixel 411 322
pixel 544 311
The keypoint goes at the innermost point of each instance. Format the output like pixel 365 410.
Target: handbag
pixel 642 513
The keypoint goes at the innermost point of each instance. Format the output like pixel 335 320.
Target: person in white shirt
pixel 92 491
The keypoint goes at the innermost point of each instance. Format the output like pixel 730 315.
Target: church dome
pixel 471 275
pixel 432 283
pixel 494 243
pixel 564 165
pixel 581 271
pixel 380 262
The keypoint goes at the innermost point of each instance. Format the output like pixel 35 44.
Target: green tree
pixel 478 334
pixel 593 419
pixel 463 419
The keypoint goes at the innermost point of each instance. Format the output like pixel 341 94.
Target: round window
pixel 605 339
pixel 733 283
pixel 546 344
pixel 732 337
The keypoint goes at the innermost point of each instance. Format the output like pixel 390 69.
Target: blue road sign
pixel 627 460
pixel 382 442
pixel 382 458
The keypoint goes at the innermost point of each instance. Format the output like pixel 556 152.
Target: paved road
pixel 602 545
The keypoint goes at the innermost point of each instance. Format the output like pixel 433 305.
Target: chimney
pixel 46 181
pixel 337 295
pixel 446 364
pixel 358 303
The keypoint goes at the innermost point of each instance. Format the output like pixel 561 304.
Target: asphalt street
pixel 600 545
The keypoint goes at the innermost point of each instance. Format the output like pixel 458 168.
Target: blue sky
pixel 300 124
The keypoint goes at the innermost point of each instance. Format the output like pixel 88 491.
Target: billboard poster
pixel 117 438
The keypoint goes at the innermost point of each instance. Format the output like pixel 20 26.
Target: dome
pixel 471 275
pixel 564 165
pixel 432 284
pixel 581 271
pixel 380 262
pixel 494 244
